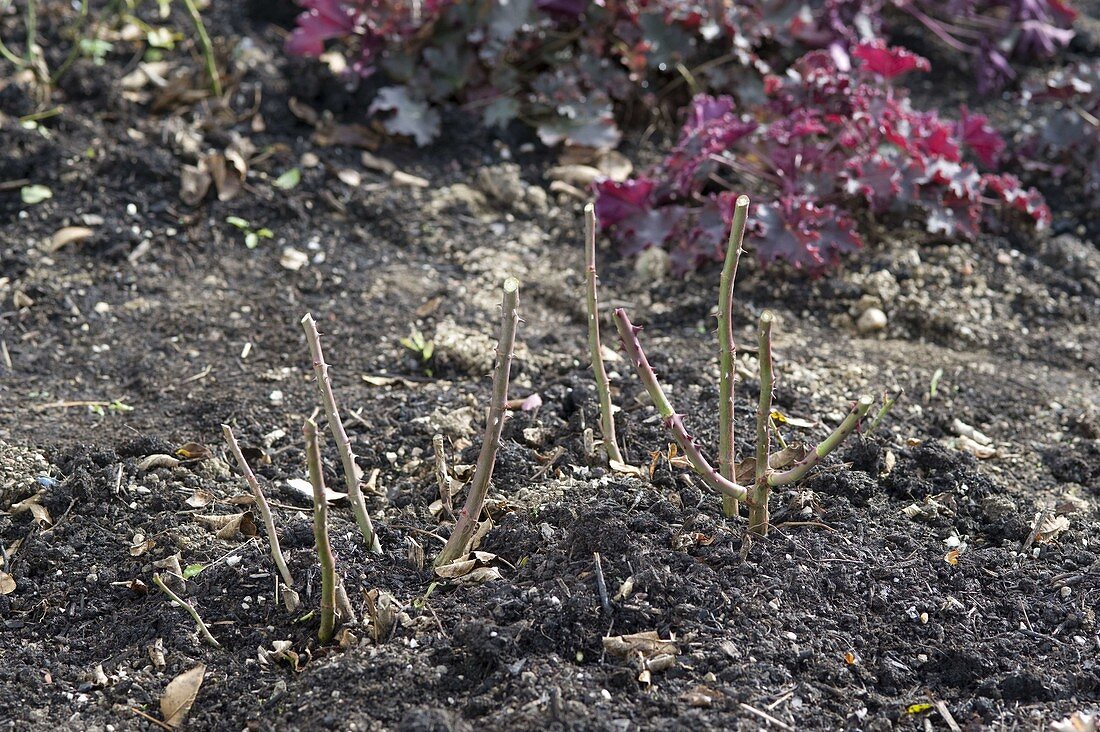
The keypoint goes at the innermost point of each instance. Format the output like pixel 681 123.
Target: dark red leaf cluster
pixel 832 141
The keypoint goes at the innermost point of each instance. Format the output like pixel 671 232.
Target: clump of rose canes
pixel 769 471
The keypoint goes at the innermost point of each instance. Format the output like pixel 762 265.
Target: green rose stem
pixel 205 631
pixel 727 352
pixel 353 476
pixel 603 388
pixel 887 405
pixel 261 505
pixel 320 533
pixel 207 48
pixel 483 473
pixel 673 421
pixel 797 471
pixel 758 513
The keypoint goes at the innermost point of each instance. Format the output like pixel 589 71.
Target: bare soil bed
pixel 906 572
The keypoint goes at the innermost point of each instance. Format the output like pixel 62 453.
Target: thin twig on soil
pixel 767 717
pixel 261 505
pixel 727 352
pixel 352 474
pixel 603 386
pixel 151 718
pixel 205 631
pixel 486 460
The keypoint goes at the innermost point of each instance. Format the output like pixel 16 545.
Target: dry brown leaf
pixel 139 545
pixel 67 235
pixel 193 451
pixel 7 583
pixel 306 489
pixel 180 694
pixel 1051 527
pixel 200 499
pixel 700 696
pixel 158 461
pixel 38 511
pixel 625 469
pixel 227 179
pixel 195 182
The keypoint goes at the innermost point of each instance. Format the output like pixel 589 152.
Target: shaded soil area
pixel 905 571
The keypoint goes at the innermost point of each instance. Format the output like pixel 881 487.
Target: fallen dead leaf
pixel 625 469
pixel 306 489
pixel 180 695
pixel 38 511
pixel 139 545
pixel 200 499
pixel 195 182
pixel 1051 527
pixel 158 461
pixel 649 644
pixel 193 451
pixel 7 583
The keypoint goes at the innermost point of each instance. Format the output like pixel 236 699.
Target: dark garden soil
pixel 853 613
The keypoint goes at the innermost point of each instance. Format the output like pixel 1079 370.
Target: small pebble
pixel 871 320
pixel 1065 591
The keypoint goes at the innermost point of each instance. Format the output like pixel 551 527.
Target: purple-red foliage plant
pixel 1066 146
pixel 833 140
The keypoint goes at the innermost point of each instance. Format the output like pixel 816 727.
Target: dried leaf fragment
pixel 67 235
pixel 180 695
pixel 157 461
pixel 38 511
pixel 649 644
pixel 7 583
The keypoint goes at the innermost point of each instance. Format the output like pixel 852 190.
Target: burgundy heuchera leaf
pixel 889 61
